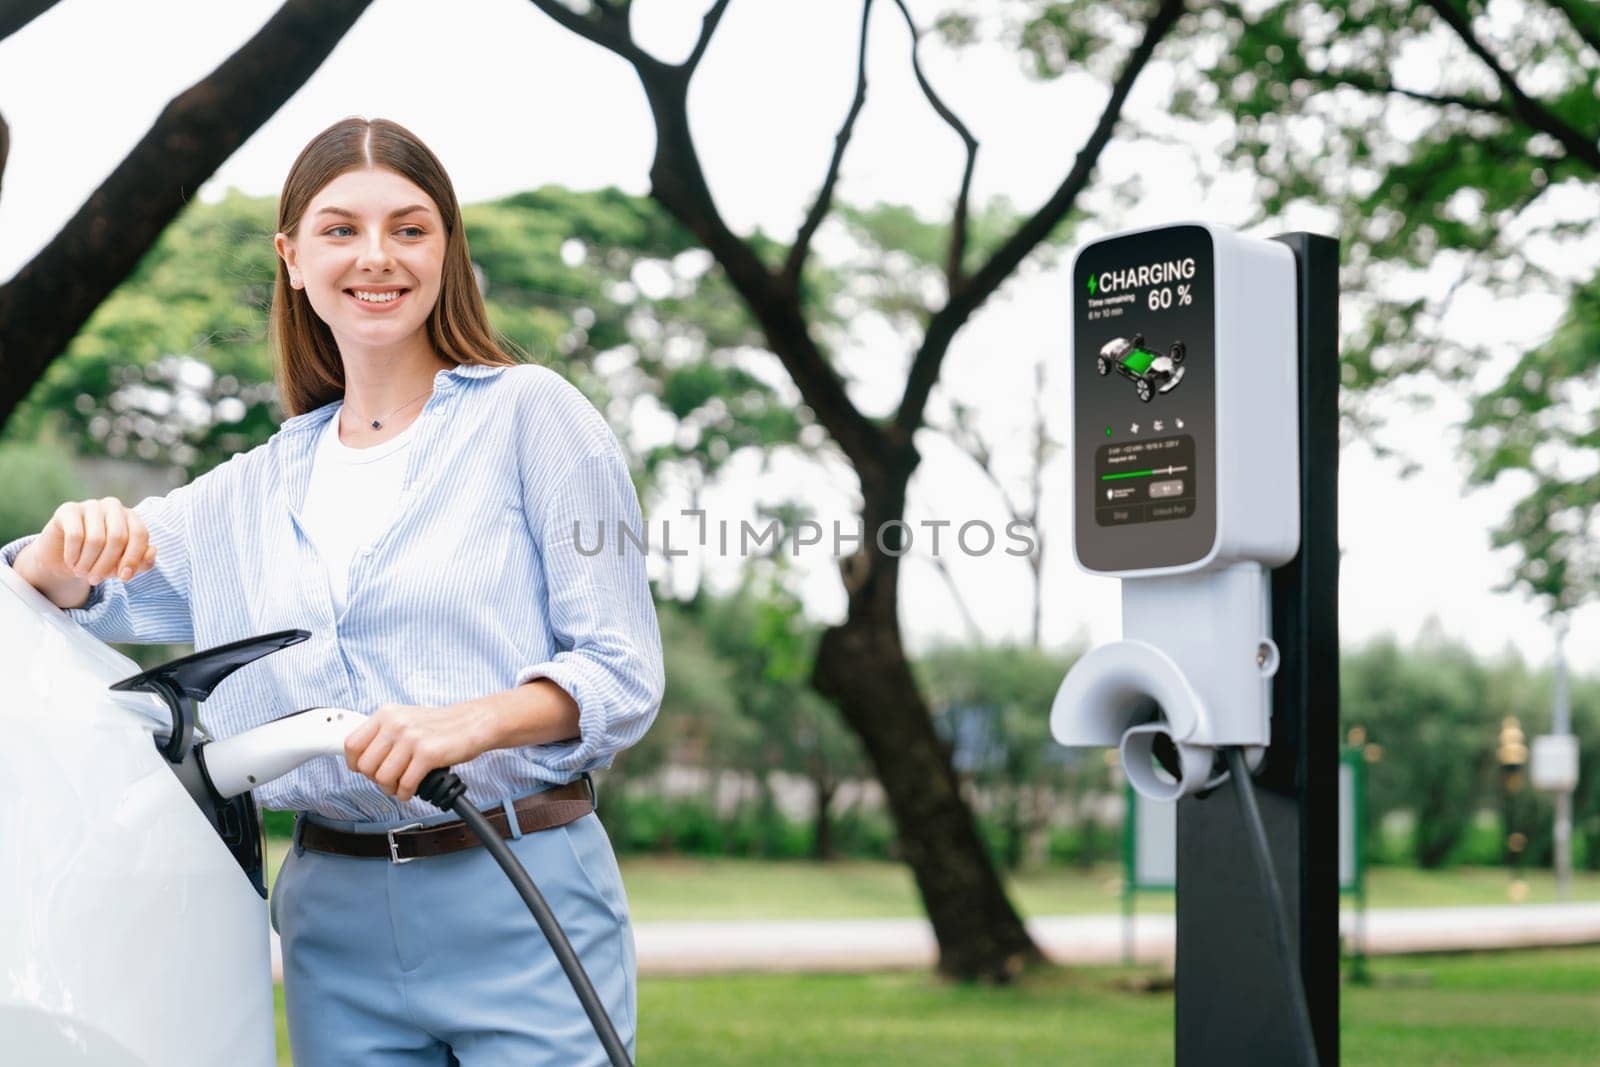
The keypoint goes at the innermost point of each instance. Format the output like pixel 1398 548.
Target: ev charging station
pixel 1205 470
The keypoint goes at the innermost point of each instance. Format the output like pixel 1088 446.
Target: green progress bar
pixel 1126 474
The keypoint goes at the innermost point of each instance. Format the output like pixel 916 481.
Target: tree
pixel 1426 707
pixel 990 702
pixel 1459 138
pixel 762 628
pixel 53 295
pixel 861 664
pixel 174 368
pixel 1455 147
pixel 1586 799
pixel 899 258
pixel 1022 513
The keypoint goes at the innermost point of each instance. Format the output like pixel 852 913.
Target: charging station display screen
pixel 1144 399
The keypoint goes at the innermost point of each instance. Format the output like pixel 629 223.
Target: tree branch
pixel 971 295
pixel 1523 106
pixel 609 30
pixel 958 223
pixel 1358 79
pixel 965 437
pixel 678 183
pixel 819 210
pixel 708 26
pixel 974 631
pixel 50 299
pixel 1365 80
pixel 15 14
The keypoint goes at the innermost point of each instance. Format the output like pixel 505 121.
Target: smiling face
pixel 369 252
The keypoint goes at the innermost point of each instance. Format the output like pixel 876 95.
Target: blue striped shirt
pixel 477 586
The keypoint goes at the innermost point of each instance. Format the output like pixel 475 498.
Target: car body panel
pixel 132 936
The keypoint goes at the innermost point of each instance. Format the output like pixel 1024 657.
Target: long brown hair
pixel 306 359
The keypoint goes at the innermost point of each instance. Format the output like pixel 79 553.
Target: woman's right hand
pixel 92 540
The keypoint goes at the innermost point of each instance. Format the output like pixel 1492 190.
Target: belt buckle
pixel 394 846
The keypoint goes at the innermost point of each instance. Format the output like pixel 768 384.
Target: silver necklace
pixel 377 424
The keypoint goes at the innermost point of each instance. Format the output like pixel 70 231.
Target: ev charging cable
pixel 1256 831
pixel 444 790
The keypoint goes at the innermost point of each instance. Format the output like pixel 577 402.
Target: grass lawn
pixel 1509 1010
pixel 692 888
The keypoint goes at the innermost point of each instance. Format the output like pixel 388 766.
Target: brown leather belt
pixel 541 811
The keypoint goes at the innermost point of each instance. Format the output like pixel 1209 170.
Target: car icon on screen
pixel 1149 373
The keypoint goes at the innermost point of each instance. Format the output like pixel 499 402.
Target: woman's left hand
pixel 400 743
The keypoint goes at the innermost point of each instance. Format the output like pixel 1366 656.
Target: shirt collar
pixel 445 379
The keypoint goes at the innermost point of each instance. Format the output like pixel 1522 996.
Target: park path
pixel 795 945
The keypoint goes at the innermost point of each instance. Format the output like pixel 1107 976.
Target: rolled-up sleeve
pixel 152 607
pixel 601 614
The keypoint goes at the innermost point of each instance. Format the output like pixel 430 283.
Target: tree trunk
pixel 822 838
pixel 862 667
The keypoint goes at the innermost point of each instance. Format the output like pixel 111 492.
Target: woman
pixel 418 514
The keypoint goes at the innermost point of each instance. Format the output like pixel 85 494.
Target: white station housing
pixel 1186 487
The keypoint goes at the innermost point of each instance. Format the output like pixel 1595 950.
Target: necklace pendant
pixel 375 424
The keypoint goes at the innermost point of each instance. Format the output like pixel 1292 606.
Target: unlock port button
pixel 1171 487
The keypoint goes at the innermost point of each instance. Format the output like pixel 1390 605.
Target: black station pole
pixel 1232 1004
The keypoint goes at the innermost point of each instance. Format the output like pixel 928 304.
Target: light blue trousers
pixel 438 961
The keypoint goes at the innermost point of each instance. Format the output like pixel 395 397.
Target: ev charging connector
pixel 1185 486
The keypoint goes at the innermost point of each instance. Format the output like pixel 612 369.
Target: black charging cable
pixel 444 790
pixel 1256 830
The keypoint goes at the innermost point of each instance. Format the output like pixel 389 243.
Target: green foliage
pixel 1434 713
pixel 738 699
pixel 898 269
pixel 1586 798
pixel 1010 688
pixel 991 704
pixel 1443 189
pixel 1327 107
pixel 175 366
pixel 1426 709
pixel 701 721
pixel 34 479
pixel 1086 844
pixel 122 389
pixel 1381 114
pixel 1540 427
pixel 640 822
pixel 1053 38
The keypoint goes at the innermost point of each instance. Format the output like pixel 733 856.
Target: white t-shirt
pixel 351 499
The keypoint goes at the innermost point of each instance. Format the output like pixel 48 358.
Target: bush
pixel 646 824
pixel 35 477
pixel 864 835
pixel 761 830
pixel 1482 844
pixel 649 824
pixel 1085 844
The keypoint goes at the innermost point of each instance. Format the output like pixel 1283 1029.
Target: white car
pixel 132 935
